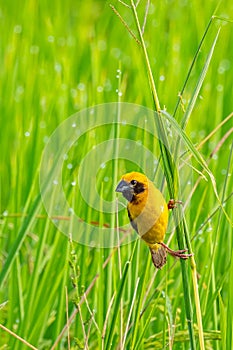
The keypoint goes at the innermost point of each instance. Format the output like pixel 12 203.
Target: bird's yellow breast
pixel 150 213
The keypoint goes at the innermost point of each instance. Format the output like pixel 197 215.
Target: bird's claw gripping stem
pixel 176 253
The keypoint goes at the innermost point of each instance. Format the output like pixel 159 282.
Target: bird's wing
pixel 133 223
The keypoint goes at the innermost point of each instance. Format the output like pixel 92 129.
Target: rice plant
pixel 62 61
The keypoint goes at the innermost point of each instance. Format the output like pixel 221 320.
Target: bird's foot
pixel 172 203
pixel 176 253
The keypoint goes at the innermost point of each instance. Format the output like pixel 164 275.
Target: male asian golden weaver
pixel 148 214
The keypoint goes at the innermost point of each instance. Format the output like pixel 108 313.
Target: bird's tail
pixel 159 256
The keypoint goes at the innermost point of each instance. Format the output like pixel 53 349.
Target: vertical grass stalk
pixel 109 339
pixel 171 178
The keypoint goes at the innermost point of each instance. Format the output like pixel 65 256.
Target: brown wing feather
pixel 133 223
pixel 159 257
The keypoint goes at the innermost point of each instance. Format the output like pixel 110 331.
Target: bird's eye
pixel 133 182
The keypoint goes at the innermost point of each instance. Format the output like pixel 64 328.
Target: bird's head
pixel 133 186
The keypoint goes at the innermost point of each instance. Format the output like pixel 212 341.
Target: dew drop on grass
pixel 202 134
pixel 102 46
pixel 74 125
pixel 162 78
pixel 100 88
pixel 45 139
pixel 55 182
pixel 115 52
pixel 58 67
pixel 42 125
pixel 81 86
pixel 69 166
pixel 11 225
pixel 73 93
pixel 51 39
pixel 193 134
pixel 18 29
pixel 106 179
pixel 71 210
pixel 221 70
pixel 19 90
pixel 73 183
pixel 224 66
pixel 219 88
pixel 151 9
pixel 108 85
pixel 120 93
pixel 118 73
pixel 34 50
pixel 27 133
pixel 63 87
pixel 102 165
pixel 57 207
pixel 5 213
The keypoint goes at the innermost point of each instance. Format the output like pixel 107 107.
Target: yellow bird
pixel 148 215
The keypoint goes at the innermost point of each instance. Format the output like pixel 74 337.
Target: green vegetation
pixel 58 59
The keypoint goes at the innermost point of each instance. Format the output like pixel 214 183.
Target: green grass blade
pixel 117 302
pixel 25 227
pixel 197 89
pixel 141 289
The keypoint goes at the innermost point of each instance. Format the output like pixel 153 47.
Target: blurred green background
pixel 55 60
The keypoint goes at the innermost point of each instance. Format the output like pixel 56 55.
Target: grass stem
pixel 171 177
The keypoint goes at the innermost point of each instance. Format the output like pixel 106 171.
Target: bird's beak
pixel 123 186
pixel 126 188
